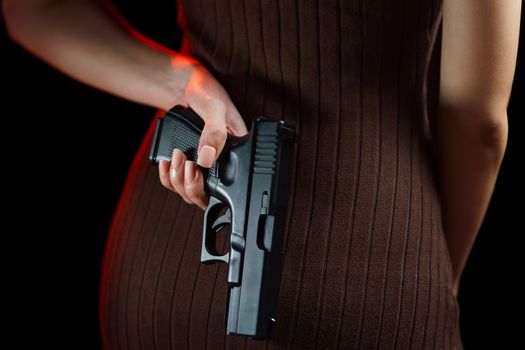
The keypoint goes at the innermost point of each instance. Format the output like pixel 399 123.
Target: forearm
pixel 469 156
pixel 83 40
pixel 478 56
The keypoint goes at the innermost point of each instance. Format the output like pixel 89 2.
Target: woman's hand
pixel 91 42
pixel 205 95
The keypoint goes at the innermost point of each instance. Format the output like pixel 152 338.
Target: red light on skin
pixel 177 59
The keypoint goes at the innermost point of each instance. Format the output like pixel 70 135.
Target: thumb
pixel 212 141
pixel 235 123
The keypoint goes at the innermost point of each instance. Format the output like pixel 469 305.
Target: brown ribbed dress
pixel 366 262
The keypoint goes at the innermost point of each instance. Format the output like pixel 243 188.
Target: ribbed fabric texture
pixel 366 262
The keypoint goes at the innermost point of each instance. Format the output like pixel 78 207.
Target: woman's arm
pixel 479 48
pixel 84 39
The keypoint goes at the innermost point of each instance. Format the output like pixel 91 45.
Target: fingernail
pixel 179 159
pixel 175 166
pixel 189 172
pixel 206 156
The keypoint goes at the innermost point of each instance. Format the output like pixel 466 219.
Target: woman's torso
pixel 366 264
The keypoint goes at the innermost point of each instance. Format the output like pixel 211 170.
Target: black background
pixel 66 149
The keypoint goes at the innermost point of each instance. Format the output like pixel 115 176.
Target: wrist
pixel 175 80
pixel 164 78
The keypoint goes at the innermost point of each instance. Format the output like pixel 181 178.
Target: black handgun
pixel 251 179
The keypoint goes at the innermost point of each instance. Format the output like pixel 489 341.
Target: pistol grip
pixel 181 128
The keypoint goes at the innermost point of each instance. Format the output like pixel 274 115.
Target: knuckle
pixel 216 135
pixel 193 192
pixel 173 174
pixel 190 189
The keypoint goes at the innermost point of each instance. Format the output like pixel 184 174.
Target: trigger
pixel 222 221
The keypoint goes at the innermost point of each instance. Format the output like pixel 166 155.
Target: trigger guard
pixel 208 249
